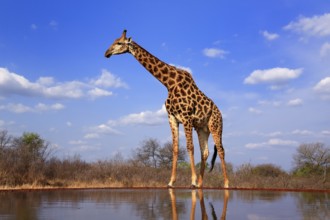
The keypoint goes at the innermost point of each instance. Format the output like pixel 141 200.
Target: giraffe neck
pixel 162 71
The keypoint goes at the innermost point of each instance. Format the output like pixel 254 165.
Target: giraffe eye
pixel 120 43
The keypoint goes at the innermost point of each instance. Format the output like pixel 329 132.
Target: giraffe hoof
pixel 194 186
pixel 170 186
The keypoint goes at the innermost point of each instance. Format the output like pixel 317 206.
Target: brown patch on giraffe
pixel 152 61
pixel 183 92
pixel 161 65
pixel 171 82
pixel 165 70
pixel 179 78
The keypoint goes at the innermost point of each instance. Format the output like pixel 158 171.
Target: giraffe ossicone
pixel 186 104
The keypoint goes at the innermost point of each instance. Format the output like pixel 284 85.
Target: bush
pixel 312 159
pixel 268 170
pixel 22 159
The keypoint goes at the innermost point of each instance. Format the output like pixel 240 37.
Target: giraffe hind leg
pixel 215 127
pixel 203 136
pixel 221 153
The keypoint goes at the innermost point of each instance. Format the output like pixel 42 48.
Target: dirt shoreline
pixel 34 189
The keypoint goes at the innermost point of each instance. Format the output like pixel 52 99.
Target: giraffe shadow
pixel 204 213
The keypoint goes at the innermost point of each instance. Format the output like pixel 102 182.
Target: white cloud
pixel 318 25
pixel 188 69
pixel 269 36
pixel 91 136
pixel 323 87
pixel 273 76
pixel 325 50
pixel 57 106
pixel 145 117
pixel 53 24
pixel 14 84
pixel 44 107
pixel 275 133
pixel 16 108
pixel 255 111
pixel 6 124
pixel 103 129
pixel 107 79
pixel 96 92
pixel 271 103
pixel 46 81
pixel 142 118
pixel 72 89
pixel 302 132
pixel 295 102
pixel 21 108
pixel 325 132
pixel 272 142
pixel 214 53
pixel 34 27
pixel 271 134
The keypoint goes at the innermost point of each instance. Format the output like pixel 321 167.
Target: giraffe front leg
pixel 190 148
pixel 175 145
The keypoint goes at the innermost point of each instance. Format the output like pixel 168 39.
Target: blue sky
pixel 264 63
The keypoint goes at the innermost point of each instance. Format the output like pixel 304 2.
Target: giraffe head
pixel 121 45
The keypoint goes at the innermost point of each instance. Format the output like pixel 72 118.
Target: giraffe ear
pixel 129 40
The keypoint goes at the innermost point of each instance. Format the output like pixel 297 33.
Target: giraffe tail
pixel 213 158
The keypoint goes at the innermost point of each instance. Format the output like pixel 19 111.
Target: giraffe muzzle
pixel 108 54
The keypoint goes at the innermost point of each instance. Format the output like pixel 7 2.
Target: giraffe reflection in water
pixel 202 205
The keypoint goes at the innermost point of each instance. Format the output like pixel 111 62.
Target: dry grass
pixel 133 176
pixel 75 173
pixel 25 164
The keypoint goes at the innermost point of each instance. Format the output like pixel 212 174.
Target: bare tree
pixel 312 158
pixel 5 139
pixel 165 155
pixel 147 154
pixel 152 154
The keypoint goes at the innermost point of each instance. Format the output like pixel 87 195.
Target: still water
pixel 163 204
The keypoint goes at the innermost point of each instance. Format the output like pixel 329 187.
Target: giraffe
pixel 186 105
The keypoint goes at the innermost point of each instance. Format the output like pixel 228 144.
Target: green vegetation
pixel 27 162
